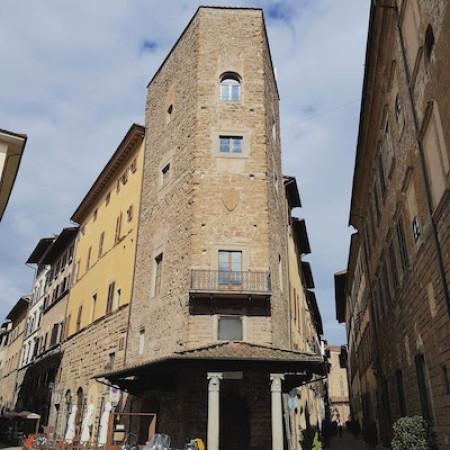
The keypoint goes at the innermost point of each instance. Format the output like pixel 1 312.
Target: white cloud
pixel 74 77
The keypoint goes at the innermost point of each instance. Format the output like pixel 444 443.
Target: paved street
pixel 6 446
pixel 348 442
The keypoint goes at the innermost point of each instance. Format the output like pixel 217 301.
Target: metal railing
pixel 218 280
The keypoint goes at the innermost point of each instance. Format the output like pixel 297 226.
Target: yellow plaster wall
pixel 117 261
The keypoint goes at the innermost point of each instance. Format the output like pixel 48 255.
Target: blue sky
pixel 74 77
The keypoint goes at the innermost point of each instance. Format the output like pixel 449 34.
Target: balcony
pixel 229 292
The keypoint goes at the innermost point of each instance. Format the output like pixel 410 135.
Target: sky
pixel 73 78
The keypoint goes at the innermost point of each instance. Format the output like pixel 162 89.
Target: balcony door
pixel 230 269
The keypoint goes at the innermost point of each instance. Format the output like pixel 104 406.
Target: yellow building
pixel 106 243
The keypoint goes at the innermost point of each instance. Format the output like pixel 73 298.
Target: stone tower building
pixel 209 342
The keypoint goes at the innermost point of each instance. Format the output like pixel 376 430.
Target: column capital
pixel 214 380
pixel 275 381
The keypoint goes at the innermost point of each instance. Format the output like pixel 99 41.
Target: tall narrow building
pixel 209 346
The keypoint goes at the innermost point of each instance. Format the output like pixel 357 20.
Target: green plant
pixel 411 433
pixel 317 444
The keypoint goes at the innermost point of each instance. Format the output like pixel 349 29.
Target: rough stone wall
pixel 417 319
pixel 189 219
pixel 166 213
pixel 85 355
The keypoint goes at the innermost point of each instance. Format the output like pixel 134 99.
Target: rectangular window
pixel 165 174
pixel 110 300
pixel 423 385
pixel 158 274
pixel 402 244
pixel 53 337
pixel 130 213
pixel 100 244
pixel 381 175
pixel 230 268
pixel 88 259
pixel 80 312
pixel 445 380
pixel 401 392
pixel 436 156
pixel 229 329
pixel 94 307
pixel 231 144
pixel 118 228
pixel 394 268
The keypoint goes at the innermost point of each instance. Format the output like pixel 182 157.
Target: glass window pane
pixel 230 329
pixel 223 260
pixel 235 92
pixel 236 258
pixel 224 145
pixel 237 145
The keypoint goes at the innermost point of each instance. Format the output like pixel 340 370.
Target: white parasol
pixel 70 432
pixel 87 422
pixel 104 422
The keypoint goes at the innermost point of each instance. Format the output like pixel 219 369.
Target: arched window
pixel 230 87
pixel 67 408
pixel 429 43
pixel 79 414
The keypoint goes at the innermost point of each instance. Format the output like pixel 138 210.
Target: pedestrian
pixel 340 428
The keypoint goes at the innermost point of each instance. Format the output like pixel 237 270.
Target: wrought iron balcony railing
pixel 230 281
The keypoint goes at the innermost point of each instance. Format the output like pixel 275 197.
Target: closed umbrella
pixel 70 432
pixel 104 421
pixel 87 422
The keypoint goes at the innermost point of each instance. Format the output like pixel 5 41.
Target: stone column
pixel 277 411
pixel 213 410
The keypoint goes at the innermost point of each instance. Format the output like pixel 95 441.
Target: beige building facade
pixel 399 327
pixel 8 383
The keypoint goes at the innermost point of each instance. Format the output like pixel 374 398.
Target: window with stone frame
pixel 229 328
pixel 393 267
pixel 231 144
pixel 388 148
pixel 230 87
pixel 110 298
pixel 401 239
pixel 436 153
pixel 118 232
pixel 101 242
pixel 80 312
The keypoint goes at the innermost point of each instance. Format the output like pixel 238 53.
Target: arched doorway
pixel 234 417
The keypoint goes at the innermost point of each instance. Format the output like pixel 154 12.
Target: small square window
pixel 165 173
pixel 94 216
pixel 107 198
pixel 231 144
pixel 133 166
pixel 124 178
pixel 229 329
